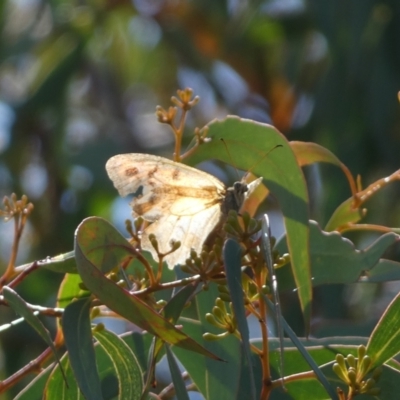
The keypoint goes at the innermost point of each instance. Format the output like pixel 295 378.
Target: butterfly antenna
pixel 255 164
pixel 263 157
pixel 231 158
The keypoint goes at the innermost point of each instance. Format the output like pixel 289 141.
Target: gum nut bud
pixel 198 262
pixel 253 224
pixel 265 289
pixel 228 228
pixel 193 254
pixel 352 376
pixel 376 374
pixel 369 384
pixel 338 370
pixel 225 296
pixel 185 267
pixel 211 255
pixel 122 283
pixel 341 361
pixel 95 312
pixel 175 245
pixel 113 276
pixel 220 304
pixel 99 327
pixel 218 313
pixel 351 360
pixel 361 351
pixel 211 319
pixel 365 364
pixel 246 217
pixel 223 289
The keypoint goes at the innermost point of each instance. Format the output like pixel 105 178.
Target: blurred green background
pixel 80 80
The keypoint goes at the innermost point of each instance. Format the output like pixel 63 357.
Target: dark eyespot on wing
pixel 175 174
pixel 151 173
pixel 143 208
pixel 131 171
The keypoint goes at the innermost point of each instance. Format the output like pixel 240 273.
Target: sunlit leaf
pixel 18 304
pixel 249 145
pixel 232 260
pixel 99 247
pixel 334 259
pixel 384 342
pixel 126 366
pixel 179 384
pixel 216 380
pixel 79 343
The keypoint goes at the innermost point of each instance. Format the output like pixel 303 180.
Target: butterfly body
pixel 183 203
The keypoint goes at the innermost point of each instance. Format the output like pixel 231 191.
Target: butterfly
pixel 183 203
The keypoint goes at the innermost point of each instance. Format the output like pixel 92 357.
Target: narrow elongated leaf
pixel 62 263
pixel 176 304
pixel 232 260
pixel 18 304
pixel 99 247
pixel 34 390
pixel 63 389
pixel 126 366
pixel 384 342
pixel 267 252
pixel 177 380
pixel 79 343
pixel 302 350
pixel 216 380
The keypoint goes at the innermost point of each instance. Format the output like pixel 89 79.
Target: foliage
pixel 78 84
pixel 213 294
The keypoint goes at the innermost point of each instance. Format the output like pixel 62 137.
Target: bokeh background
pixel 80 80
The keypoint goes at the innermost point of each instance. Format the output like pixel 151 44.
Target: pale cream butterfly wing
pixel 184 203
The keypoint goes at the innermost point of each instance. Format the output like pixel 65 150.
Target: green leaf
pixel 248 143
pixel 35 388
pixel 177 303
pixel 383 271
pixel 79 343
pixel 216 380
pixel 69 290
pixel 100 248
pixel 384 342
pixel 177 380
pixel 334 259
pixel 323 351
pixel 344 214
pixel 18 304
pixel 125 363
pixel 58 389
pixel 63 389
pixel 232 260
pixel 140 344
pixel 304 353
pixel 63 263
